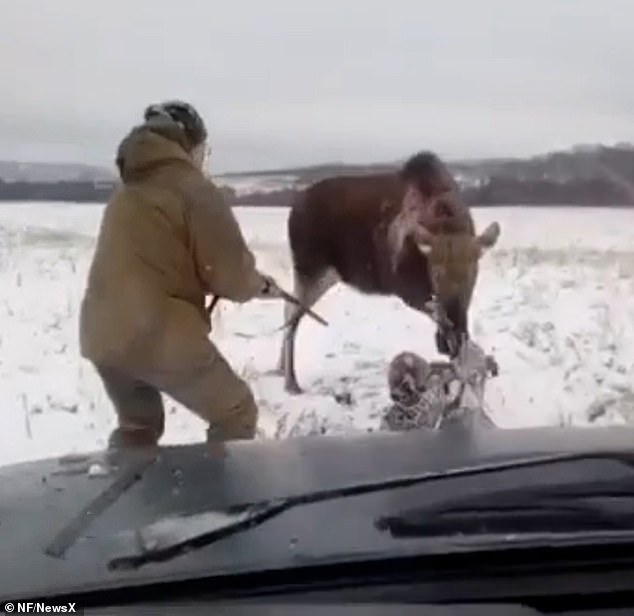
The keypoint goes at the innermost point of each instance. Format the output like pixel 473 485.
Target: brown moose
pixel 406 234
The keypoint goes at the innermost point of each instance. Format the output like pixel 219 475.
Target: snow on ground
pixel 554 303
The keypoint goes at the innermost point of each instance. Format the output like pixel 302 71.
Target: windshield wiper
pixel 170 537
pixel 580 507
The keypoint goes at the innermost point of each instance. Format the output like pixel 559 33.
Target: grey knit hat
pixel 184 115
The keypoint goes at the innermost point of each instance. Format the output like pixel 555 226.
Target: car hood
pixel 38 499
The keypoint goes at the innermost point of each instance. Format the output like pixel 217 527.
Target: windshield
pixel 277 220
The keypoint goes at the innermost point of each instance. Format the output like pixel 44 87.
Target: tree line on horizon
pixel 495 191
pixel 599 176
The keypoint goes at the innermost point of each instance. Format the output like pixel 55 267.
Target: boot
pixel 123 439
pixel 215 444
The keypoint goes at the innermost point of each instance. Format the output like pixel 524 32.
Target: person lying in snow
pixel 167 239
pixel 435 394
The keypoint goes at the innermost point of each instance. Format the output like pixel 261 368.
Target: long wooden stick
pixel 293 300
pixel 285 295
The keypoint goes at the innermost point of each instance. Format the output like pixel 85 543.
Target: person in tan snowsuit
pixel 167 239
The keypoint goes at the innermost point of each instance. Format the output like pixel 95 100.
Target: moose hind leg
pixel 309 291
pixel 290 315
pixel 301 288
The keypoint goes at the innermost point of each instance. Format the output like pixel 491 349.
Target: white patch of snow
pixel 97 470
pixel 554 304
pixel 264 183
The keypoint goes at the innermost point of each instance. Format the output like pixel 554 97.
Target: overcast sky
pixel 286 82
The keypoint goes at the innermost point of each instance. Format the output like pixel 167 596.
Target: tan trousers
pixel 212 390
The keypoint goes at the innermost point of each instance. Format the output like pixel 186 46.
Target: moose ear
pixel 489 236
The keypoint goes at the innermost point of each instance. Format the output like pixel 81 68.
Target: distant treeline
pixel 78 192
pixel 580 192
pixel 494 191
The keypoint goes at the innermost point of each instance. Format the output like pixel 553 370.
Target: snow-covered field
pixel 554 303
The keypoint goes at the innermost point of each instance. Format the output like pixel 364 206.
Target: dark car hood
pixel 36 502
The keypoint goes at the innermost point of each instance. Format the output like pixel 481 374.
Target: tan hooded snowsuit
pixel 167 239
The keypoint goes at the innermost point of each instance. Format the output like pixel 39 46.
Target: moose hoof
pixel 492 365
pixel 293 388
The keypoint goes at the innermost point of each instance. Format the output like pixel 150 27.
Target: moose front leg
pixel 446 339
pixel 442 342
pixel 309 290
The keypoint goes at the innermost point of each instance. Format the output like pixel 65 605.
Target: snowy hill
pixel 14 171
